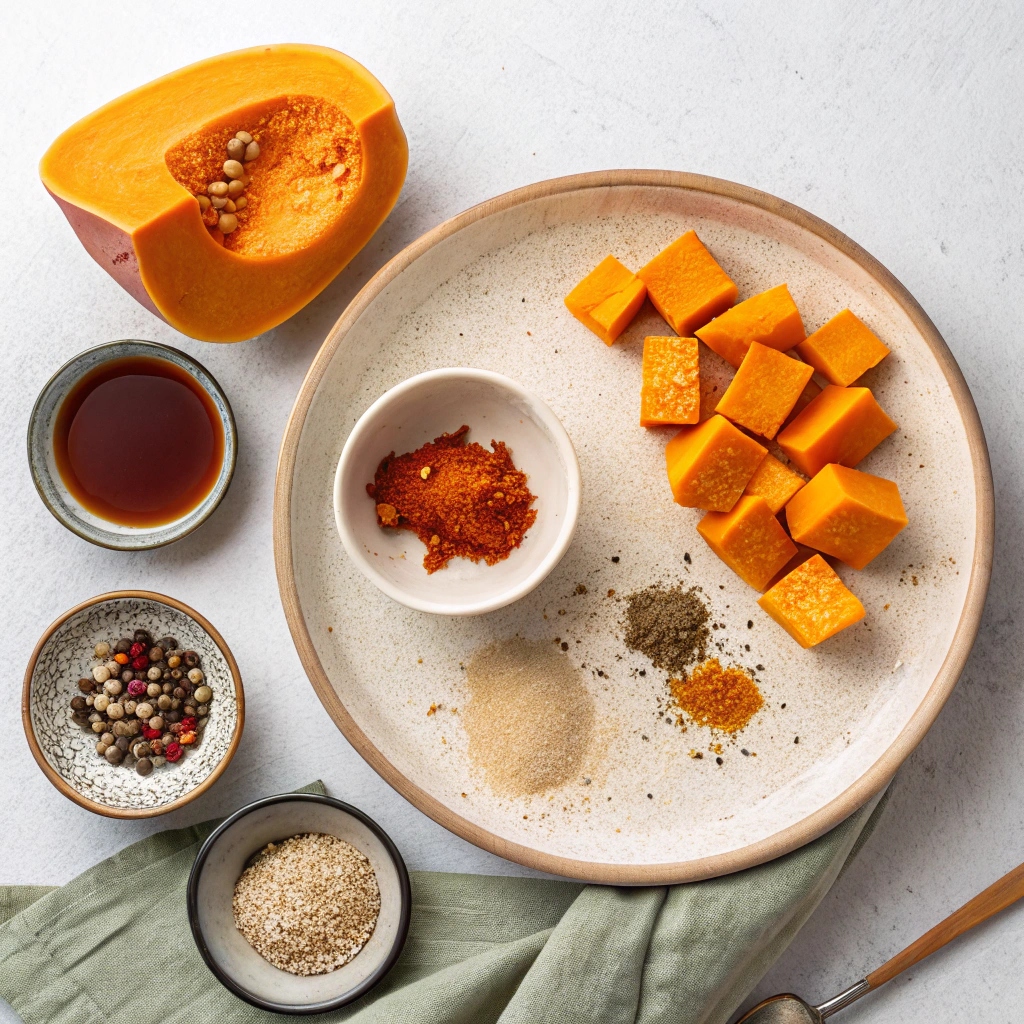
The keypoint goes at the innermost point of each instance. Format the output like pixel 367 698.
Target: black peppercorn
pixel 87 685
pixel 144 766
pixel 80 717
pixel 190 710
pixel 127 676
pixel 178 692
pixel 122 742
pixel 142 637
pixel 78 704
pixel 190 658
pixel 156 654
pixel 114 754
pixel 168 643
pixel 123 646
pixel 177 674
pixel 172 716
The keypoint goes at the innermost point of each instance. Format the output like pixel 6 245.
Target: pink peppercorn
pixel 173 752
pixel 136 688
pixel 140 663
pixel 136 649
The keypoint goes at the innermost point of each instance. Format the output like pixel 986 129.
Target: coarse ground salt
pixel 307 904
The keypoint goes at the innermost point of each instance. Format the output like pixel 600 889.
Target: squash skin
pixel 146 230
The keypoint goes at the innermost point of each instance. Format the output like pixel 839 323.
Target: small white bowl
pixel 415 412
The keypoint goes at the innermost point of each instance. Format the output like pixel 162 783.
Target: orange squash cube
pixel 686 285
pixel 774 482
pixel 710 464
pixel 810 392
pixel 847 514
pixel 770 319
pixel 607 299
pixel 670 392
pixel 841 425
pixel 812 603
pixel 843 349
pixel 749 539
pixel 764 390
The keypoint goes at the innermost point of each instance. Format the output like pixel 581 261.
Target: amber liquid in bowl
pixel 138 442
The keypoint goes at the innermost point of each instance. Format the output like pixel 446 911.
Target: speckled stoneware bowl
pixel 486 289
pixel 236 964
pixel 56 496
pixel 67 753
pixel 417 411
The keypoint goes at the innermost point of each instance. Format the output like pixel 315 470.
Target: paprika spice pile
pixel 460 499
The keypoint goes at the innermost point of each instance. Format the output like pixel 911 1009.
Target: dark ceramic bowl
pixel 234 962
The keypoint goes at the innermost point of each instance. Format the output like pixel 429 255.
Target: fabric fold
pixel 481 949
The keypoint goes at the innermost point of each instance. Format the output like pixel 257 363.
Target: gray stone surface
pixel 899 123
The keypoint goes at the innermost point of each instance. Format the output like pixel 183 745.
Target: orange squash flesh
pixel 764 390
pixel 847 514
pixel 841 425
pixel 670 391
pixel 843 349
pixel 110 175
pixel 607 299
pixel 710 464
pixel 686 284
pixel 812 603
pixel 770 318
pixel 774 482
pixel 749 539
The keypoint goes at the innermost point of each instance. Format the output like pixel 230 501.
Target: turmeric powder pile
pixel 724 699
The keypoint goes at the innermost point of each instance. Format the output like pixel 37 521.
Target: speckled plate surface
pixel 485 289
pixel 67 753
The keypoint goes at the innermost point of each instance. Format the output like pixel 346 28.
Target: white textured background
pixel 900 123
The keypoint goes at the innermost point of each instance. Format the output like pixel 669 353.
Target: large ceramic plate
pixel 485 289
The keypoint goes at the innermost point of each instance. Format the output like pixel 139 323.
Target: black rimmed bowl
pixel 55 494
pixel 235 963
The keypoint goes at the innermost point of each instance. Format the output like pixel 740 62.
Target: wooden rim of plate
pixel 58 780
pixel 881 772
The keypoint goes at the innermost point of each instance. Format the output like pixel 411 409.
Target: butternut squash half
pixel 131 179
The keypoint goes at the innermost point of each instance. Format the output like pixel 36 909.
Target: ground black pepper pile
pixel 669 625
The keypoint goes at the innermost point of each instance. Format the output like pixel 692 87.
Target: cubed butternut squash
pixel 670 392
pixel 847 514
pixel 843 349
pixel 812 603
pixel 810 392
pixel 764 390
pixel 710 464
pixel 686 285
pixel 607 299
pixel 841 425
pixel 774 482
pixel 770 318
pixel 749 539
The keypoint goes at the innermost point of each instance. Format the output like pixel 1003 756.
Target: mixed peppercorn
pixel 146 701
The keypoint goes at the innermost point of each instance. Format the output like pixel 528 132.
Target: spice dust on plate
pixel 529 718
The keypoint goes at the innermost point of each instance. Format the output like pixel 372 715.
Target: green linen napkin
pixel 113 946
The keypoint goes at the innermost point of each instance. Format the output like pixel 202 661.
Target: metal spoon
pixel 791 1009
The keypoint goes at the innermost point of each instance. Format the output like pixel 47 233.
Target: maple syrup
pixel 138 442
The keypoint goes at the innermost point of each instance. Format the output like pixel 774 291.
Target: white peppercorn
pixel 113 686
pixel 115 711
pixel 195 676
pixel 144 711
pixel 100 702
pixel 99 727
pixel 100 673
pixel 102 649
pixel 153 673
pixel 203 694
pixel 154 690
